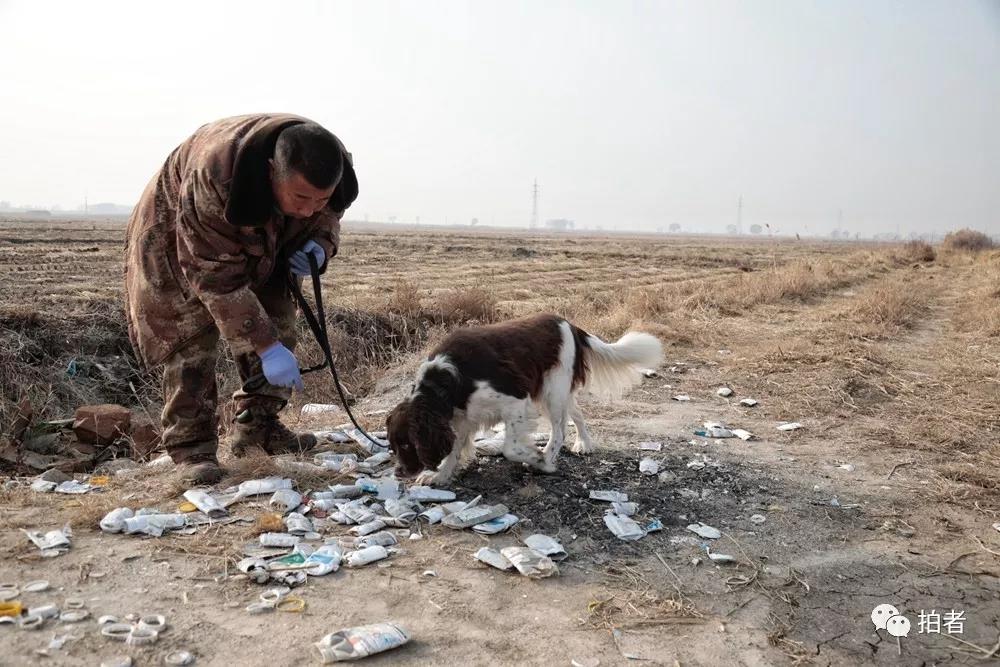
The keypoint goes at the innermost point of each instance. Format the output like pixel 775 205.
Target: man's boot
pixel 258 428
pixel 200 469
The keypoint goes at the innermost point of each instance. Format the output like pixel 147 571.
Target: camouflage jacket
pixel 206 232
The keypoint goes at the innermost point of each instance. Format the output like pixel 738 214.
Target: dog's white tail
pixel 613 368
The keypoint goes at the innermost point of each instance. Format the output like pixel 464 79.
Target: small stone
pixel 724 392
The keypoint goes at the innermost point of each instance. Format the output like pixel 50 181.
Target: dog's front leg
pixel 518 445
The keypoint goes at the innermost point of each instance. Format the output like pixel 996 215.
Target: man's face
pixel 297 197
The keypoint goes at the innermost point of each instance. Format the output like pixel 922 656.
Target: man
pixel 209 246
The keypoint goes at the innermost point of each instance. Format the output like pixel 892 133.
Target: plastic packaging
pixel 625 509
pixel 546 546
pixel 297 524
pixel 366 556
pixel 649 466
pixel 345 490
pixel 497 525
pixel 205 503
pixel 154 524
pixel 400 509
pixel 324 560
pixel 609 496
pixel 361 642
pixel 494 558
pixel 368 528
pixel 278 540
pixel 623 527
pixel 114 521
pixel 529 562
pixel 471 516
pixel 285 500
pixel 428 494
pixel 259 487
pixel 382 539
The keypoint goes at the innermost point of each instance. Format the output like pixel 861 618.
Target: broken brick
pixel 101 424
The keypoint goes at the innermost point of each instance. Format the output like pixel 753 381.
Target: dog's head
pixel 420 435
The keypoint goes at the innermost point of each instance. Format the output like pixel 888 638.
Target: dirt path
pixel 897 430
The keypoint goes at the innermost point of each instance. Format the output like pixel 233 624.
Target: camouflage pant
pixel 190 396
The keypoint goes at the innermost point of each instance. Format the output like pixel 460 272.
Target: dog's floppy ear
pixel 430 431
pixel 398 426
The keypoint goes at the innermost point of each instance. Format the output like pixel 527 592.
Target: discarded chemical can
pixel 114 521
pixel 529 562
pixel 361 642
pixel 366 556
pixel 497 525
pixel 623 527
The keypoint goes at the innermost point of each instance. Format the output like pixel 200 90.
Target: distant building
pixel 559 224
pixel 107 208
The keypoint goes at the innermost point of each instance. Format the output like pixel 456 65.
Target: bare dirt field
pixel 888 494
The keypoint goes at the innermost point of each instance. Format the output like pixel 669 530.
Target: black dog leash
pixel 317 324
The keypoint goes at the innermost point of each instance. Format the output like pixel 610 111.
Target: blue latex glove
pixel 299 261
pixel 280 367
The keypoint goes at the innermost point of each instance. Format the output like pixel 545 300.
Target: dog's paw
pixel 429 478
pixel 582 447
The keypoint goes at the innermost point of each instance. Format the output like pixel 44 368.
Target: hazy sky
pixel 632 115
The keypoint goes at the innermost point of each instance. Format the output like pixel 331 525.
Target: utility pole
pixel 534 205
pixel 739 217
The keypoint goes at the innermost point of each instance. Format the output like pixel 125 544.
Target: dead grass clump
pixel 967 240
pixel 917 251
pixel 890 306
pixel 404 300
pixel 472 304
pixel 62 361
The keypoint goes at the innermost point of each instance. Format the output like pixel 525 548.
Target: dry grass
pixel 967 240
pixel 917 251
pixel 890 306
pixel 468 305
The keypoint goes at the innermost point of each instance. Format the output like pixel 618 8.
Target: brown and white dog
pixel 481 376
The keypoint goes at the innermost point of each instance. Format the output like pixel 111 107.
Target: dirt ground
pixel 887 495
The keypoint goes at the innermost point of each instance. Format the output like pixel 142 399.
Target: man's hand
pixel 280 367
pixel 299 261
